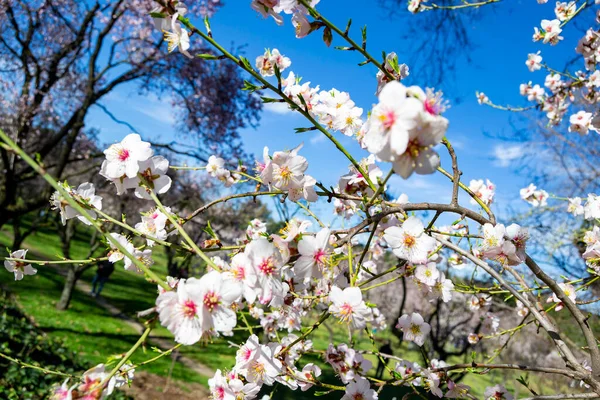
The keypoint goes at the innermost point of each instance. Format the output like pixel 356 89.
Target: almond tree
pixel 288 284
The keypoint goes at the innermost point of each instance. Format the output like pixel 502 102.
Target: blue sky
pixel 503 39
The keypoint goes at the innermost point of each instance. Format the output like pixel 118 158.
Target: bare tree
pixel 60 58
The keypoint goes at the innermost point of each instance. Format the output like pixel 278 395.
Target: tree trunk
pixel 67 293
pixel 17 237
pixel 73 274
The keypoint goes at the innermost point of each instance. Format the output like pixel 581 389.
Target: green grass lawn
pixel 93 333
pixel 85 327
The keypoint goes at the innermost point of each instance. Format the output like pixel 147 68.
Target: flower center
pixel 258 369
pixel 246 354
pixel 149 178
pixel 320 256
pixel 409 240
pixel 172 40
pixel 413 148
pixel 267 266
pixel 388 118
pixel 285 173
pixel 211 300
pixel 123 155
pixel 189 309
pixel 220 392
pixel 346 312
pixel 415 329
pixel 239 273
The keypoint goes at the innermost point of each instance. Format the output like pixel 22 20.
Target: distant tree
pixel 439 38
pixel 59 59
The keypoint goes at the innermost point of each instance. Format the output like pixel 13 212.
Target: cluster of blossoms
pixel 589 210
pixel 489 322
pixel 278 279
pixel 257 365
pixel 285 171
pixel 411 243
pixel 93 384
pixel 271 60
pixel 565 88
pixel 550 32
pixel 505 245
pixel 332 108
pixel 483 190
pixel 85 194
pixel 130 164
pixel 216 169
pixel 274 8
pixel 348 364
pixel 534 196
pixel 413 375
pixel 404 126
pixel 175 35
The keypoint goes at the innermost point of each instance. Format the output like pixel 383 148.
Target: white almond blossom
pixel 575 207
pixel 534 61
pixel 360 388
pixel 123 158
pixel 404 126
pixel 19 268
pixel 549 33
pixel 482 98
pixel 497 392
pixel 349 307
pixel 315 252
pixel 484 191
pixel 242 270
pixel 154 177
pixel 427 273
pixel 85 195
pixel 267 262
pixel 200 307
pixel 568 290
pixel 286 170
pixel 565 10
pixel 431 383
pixel 262 367
pixel 153 224
pixel 178 38
pixel 535 197
pixel 409 241
pixel 414 327
pixel 581 122
pixel 115 254
pixel 591 209
pixel 266 63
pixel 308 376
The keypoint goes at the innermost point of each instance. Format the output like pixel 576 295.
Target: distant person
pixel 105 268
